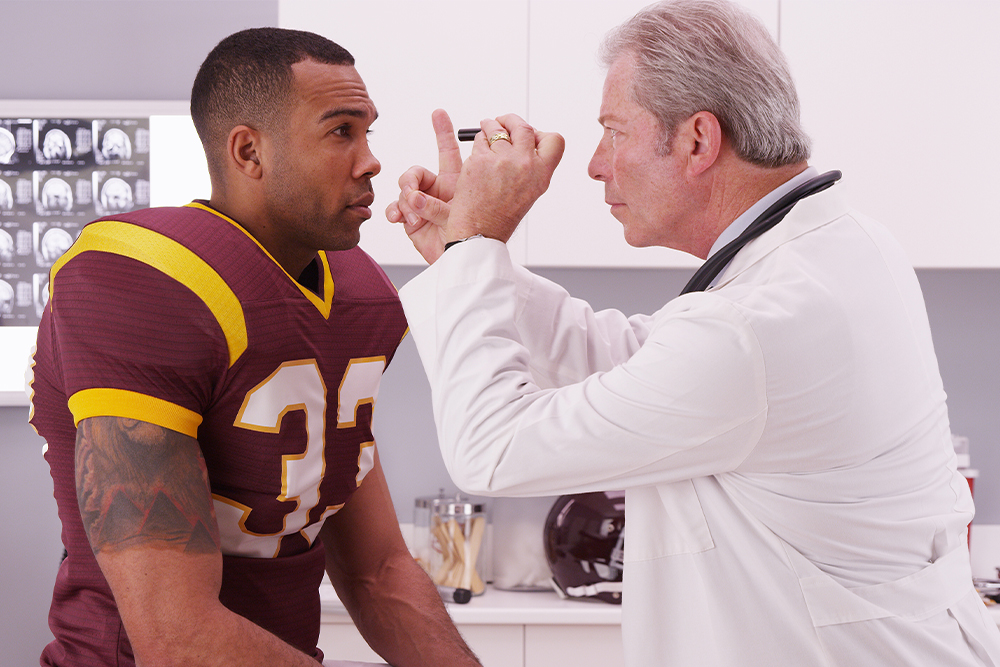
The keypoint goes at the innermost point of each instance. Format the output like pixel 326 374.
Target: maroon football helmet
pixel 584 543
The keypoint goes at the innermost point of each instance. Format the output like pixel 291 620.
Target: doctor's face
pixel 643 185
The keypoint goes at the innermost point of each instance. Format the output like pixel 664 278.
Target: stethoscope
pixel 704 276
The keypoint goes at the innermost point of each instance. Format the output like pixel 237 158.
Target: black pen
pixel 468 133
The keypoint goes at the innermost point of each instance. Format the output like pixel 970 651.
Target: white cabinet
pixel 898 94
pixel 577 645
pixel 505 629
pixel 903 97
pixel 495 645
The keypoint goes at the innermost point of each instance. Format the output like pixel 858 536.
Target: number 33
pixel 298 385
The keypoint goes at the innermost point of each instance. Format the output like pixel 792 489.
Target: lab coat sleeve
pixel 569 341
pixel 688 402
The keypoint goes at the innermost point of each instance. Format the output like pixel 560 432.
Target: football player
pixel 205 378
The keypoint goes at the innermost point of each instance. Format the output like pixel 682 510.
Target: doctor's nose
pixel 599 168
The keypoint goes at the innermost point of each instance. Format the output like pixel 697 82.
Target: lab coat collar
pixel 807 215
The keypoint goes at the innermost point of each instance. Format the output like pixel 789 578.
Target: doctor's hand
pixel 510 167
pixel 424 196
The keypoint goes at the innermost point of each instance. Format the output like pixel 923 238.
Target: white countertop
pixel 496 607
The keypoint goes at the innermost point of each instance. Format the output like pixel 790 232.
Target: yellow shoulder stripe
pixel 172 259
pixel 132 405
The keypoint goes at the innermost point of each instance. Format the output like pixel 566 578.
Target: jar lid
pixel 451 506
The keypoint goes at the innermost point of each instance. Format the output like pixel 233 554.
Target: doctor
pixel 780 429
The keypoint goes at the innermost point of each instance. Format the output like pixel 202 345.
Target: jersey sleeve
pixel 135 341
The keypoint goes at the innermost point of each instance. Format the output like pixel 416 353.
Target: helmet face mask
pixel 584 544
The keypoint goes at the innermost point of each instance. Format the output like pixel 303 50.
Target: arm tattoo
pixel 138 484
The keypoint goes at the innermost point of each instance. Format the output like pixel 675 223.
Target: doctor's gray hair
pixel 711 55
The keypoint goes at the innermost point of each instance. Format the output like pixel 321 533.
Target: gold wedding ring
pixel 499 136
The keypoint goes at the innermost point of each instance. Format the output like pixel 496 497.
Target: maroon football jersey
pixel 178 317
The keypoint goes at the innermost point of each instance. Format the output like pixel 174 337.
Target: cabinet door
pixel 495 645
pixel 468 57
pixel 577 645
pixel 903 97
pixel 342 641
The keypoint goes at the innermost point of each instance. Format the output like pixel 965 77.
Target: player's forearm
pixel 219 639
pixel 180 621
pixel 403 619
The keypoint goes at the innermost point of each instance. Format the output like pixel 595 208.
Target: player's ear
pixel 243 150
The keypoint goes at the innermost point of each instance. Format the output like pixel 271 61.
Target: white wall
pixel 31 546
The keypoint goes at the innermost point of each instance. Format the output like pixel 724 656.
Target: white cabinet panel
pixel 342 641
pixel 577 645
pixel 903 96
pixel 495 645
pixel 505 629
pixel 468 57
pixel 499 645
pixel 571 225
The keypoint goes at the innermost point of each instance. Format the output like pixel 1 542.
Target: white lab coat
pixel 792 495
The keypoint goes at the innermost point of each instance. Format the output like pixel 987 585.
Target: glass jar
pixel 448 534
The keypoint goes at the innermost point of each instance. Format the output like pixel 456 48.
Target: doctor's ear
pixel 243 150
pixel 700 137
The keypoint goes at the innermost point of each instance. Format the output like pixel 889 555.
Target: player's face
pixel 319 187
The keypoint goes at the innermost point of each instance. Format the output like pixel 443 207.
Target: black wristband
pixel 451 243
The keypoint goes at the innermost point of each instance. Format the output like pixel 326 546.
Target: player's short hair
pixel 245 80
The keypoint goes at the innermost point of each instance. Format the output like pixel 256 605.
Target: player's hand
pixel 500 183
pixel 424 197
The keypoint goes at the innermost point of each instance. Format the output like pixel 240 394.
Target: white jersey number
pixel 298 385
